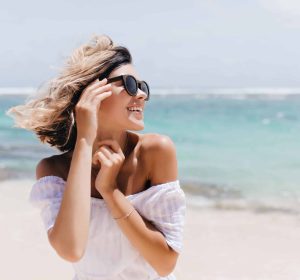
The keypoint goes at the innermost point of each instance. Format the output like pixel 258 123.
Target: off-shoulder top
pixel 109 255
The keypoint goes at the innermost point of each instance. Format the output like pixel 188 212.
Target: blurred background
pixel 224 79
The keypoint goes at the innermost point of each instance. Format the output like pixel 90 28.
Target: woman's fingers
pixel 94 89
pixel 98 157
pixel 102 158
pixel 97 83
pixel 101 88
pixel 95 160
pixel 112 143
pixel 110 153
pixel 106 151
pixel 103 95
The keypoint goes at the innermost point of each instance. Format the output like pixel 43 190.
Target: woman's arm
pixel 70 231
pixel 141 233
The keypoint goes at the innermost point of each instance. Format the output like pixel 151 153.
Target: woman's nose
pixel 141 94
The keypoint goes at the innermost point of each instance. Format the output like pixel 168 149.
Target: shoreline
pixel 204 196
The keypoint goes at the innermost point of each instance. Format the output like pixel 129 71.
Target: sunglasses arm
pixel 114 79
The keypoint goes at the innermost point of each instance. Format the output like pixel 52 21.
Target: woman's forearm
pixel 70 232
pixel 142 234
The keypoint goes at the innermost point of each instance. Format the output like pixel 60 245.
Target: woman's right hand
pixel 87 108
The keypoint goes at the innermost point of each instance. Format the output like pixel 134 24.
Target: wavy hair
pixel 50 115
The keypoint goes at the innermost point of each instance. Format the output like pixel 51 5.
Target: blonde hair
pixel 50 115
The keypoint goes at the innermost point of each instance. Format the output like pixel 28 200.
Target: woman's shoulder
pixel 155 141
pixel 49 185
pixel 45 167
pixel 160 153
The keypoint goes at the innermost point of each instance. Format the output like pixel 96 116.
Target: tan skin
pixel 134 173
pixel 116 170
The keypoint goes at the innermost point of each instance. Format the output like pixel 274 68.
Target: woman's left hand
pixel 110 158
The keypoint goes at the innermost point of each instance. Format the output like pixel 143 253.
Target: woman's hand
pixel 109 157
pixel 87 108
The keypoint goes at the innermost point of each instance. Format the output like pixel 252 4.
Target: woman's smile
pixel 138 114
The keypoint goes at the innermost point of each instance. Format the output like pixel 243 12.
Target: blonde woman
pixel 111 203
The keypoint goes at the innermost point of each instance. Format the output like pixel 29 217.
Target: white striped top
pixel 109 255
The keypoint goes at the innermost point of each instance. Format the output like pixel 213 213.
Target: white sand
pixel 218 245
pixel 240 245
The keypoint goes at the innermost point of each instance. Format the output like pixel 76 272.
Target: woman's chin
pixel 136 123
pixel 136 127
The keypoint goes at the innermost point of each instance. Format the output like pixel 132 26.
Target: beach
pixel 218 244
pixel 240 245
pixel 238 163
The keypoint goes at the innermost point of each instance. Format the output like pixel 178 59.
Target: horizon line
pixel 181 90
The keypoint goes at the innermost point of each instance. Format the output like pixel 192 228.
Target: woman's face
pixel 114 113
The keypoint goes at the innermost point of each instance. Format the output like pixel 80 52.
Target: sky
pixel 174 44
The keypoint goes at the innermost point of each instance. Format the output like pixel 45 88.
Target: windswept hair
pixel 51 114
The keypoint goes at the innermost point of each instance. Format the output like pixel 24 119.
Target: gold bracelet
pixel 127 215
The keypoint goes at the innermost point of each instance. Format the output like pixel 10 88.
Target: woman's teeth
pixel 134 109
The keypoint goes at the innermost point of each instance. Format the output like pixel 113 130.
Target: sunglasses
pixel 132 85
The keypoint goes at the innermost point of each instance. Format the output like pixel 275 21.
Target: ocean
pixel 234 151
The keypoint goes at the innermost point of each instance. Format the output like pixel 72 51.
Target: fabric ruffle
pixel 46 194
pixel 164 205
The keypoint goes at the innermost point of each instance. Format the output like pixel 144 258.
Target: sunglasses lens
pixel 145 88
pixel 131 85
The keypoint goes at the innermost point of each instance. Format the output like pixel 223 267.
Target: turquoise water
pixel 249 145
pixel 246 147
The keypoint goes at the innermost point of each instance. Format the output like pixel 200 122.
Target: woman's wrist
pixel 106 194
pixel 106 190
pixel 125 216
pixel 119 206
pixel 86 139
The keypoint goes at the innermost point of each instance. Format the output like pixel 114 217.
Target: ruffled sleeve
pixel 46 194
pixel 165 206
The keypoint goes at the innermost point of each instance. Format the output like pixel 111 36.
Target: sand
pixel 218 244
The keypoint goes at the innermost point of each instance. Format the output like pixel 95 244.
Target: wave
pixel 185 91
pixel 228 91
pixel 212 196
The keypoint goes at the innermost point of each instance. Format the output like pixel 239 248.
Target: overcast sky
pixel 228 43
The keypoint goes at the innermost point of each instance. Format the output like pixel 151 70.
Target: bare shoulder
pixel 46 167
pixel 160 151
pixel 157 143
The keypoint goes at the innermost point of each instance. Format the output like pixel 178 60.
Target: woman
pixel 111 203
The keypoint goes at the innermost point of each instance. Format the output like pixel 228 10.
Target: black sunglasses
pixel 132 85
